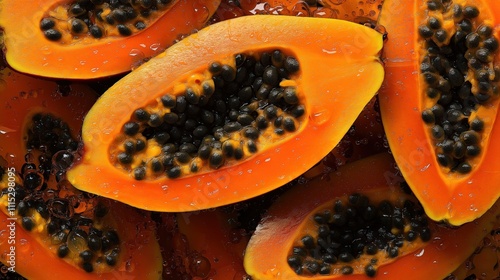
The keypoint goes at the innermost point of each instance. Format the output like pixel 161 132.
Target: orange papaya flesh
pixel 278 241
pixel 80 234
pixel 235 162
pixel 215 246
pixel 440 111
pixel 84 40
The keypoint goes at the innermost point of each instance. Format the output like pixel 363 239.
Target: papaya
pixel 83 39
pixel 55 230
pixel 358 223
pixel 439 103
pixel 214 246
pixel 234 111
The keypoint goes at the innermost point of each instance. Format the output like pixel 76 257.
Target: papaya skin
pixel 456 199
pixel 27 50
pixel 355 47
pixel 279 229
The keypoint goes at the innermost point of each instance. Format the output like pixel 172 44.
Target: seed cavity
pixel 214 118
pixel 356 235
pixel 97 19
pixel 460 77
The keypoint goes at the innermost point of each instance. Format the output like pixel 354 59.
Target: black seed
pixel 346 270
pixel 155 120
pixel 87 267
pixel 325 269
pixel 252 146
pixel 263 91
pixel 52 34
pixel 289 124
pixel 140 25
pixel 457 11
pixel 444 160
pixel 491 44
pixel 62 251
pixel 95 31
pixel 455 77
pixel 125 158
pixel 271 76
pixel 312 266
pixel 425 32
pixel 251 133
pixel 271 112
pixel 232 127
pixel 437 132
pixel 227 148
pixel 392 252
pixel 441 35
pixel 458 149
pixel 308 242
pixel 434 23
pixel 140 145
pixel 124 30
pixel 370 270
pixel 77 26
pixel 464 168
pixel 470 12
pixel 290 95
pixel 477 125
pixel 428 116
pixel 174 172
pixel 483 55
pixel 169 101
pixel 485 31
pixel 86 255
pixel 345 257
pixel 228 73
pixel 465 25
pixel 472 150
pixel 131 128
pixel 425 234
pixel 27 223
pixel 111 258
pixel 140 173
pixel 216 159
pixel 245 94
pixel 291 65
pixel 294 261
pixel 470 137
pixel 47 23
pixel 215 68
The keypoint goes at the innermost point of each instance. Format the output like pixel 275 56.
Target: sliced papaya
pixel 53 229
pixel 439 103
pixel 234 111
pixel 89 39
pixel 357 222
pixel 214 247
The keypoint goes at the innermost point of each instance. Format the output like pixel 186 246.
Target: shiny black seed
pixel 289 124
pixel 308 242
pixel 434 23
pixel 469 137
pixel 174 172
pixel 155 120
pixel 252 146
pixel 47 23
pixel 455 77
pixel 441 35
pixel 124 30
pixel 470 12
pixel 291 65
pixel 271 112
pixel 271 76
pixel 232 127
pixel 425 234
pixel 432 92
pixel 263 91
pixel 472 150
pixel 370 270
pixel 444 160
pixel 228 73
pixel 430 78
pixel 161 137
pixel 278 121
pixel 392 252
pixel 27 223
pixel 215 68
pixel 477 125
pixel 345 257
pixel 485 31
pixel 86 255
pixel 216 159
pixel 156 165
pixel 251 133
pixel 245 119
pixel 192 97
pixel 169 101
pixel 141 115
pixel 465 25
pixel 411 235
pixel 428 116
pixel 77 10
pixel 111 258
pixel 140 173
pixel 457 11
pixel 290 95
pixel 204 151
pixel 52 34
pixel 312 266
pixel 95 31
pixel 245 94
pixel 62 251
pixel 491 44
pixel 437 132
pixel 458 149
pixel 131 128
pixel 447 146
pixel 425 32
pixel 483 55
pixel 140 25
pixel 275 95
pixel 262 122
pixel 279 131
pixel 227 148
pixel 140 145
pixel 294 261
pixel 77 26
pixel 464 168
pixel 125 158
pixel 438 111
pixel 346 270
pixel 87 267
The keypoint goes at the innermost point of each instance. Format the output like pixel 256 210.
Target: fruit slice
pixel 439 103
pixel 232 112
pixel 357 222
pixel 52 229
pixel 89 39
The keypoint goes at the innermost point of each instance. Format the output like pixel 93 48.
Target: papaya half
pixel 358 223
pixel 439 103
pixel 236 110
pixel 83 39
pixel 52 229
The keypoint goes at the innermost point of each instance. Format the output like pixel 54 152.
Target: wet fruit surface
pixel 246 102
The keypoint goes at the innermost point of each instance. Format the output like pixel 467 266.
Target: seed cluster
pixel 68 216
pixel 225 114
pixel 355 228
pixel 100 18
pixel 460 77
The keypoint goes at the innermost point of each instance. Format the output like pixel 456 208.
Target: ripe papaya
pixel 89 39
pixel 439 103
pixel 236 110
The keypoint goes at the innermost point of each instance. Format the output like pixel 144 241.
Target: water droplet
pixel 320 117
pixel 93 70
pixel 136 52
pixel 425 167
pixel 154 47
pixel 420 253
